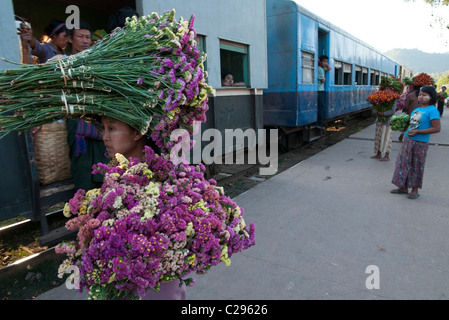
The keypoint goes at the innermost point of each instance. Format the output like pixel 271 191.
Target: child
pixel 424 121
pixel 227 80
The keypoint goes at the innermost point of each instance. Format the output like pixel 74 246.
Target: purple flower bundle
pixel 150 222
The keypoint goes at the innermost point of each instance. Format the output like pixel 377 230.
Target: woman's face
pixel 81 40
pixel 119 137
pixel 424 98
pixel 60 40
pixel 228 80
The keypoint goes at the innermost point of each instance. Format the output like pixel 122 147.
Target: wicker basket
pixel 52 152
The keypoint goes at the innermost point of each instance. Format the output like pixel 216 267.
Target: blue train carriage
pixel 233 35
pixel 295 40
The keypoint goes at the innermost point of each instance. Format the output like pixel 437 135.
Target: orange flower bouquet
pixel 383 100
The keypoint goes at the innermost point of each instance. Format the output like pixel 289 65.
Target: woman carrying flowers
pixel 152 222
pixel 383 102
pixel 383 136
pixel 424 121
pixel 121 138
pixel 150 225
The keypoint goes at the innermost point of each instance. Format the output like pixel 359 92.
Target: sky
pixel 387 24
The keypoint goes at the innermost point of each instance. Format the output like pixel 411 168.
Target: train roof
pixel 330 26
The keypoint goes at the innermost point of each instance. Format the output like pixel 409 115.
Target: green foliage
pixel 400 122
pixel 442 81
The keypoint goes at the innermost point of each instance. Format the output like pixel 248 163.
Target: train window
pixel 347 74
pixel 364 76
pixel 375 77
pixel 361 76
pixel 358 75
pixel 234 60
pixel 308 67
pixel 201 45
pixel 338 80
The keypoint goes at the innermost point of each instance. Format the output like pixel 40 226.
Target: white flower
pixel 117 202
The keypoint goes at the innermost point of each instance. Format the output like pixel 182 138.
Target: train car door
pixel 323 49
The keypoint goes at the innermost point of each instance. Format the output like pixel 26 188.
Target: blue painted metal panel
pixel 15 188
pixel 280 109
pixel 290 109
pixel 307 107
pixel 282 53
pixel 308 34
pixel 347 99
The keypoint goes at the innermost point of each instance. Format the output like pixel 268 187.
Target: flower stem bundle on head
pixel 391 83
pixel 146 73
pixel 422 79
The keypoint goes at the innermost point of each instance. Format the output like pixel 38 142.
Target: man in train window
pixel 323 67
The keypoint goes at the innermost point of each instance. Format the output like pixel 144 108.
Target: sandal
pixel 413 196
pixel 398 191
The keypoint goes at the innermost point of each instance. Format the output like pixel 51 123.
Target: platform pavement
pixel 321 223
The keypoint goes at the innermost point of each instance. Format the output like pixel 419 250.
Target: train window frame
pixel 308 67
pixel 364 76
pixel 361 76
pixel 201 45
pixel 338 70
pixel 347 74
pixel 374 77
pixel 234 58
pixel 358 75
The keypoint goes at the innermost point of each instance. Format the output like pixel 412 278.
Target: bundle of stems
pixel 143 74
pixel 391 83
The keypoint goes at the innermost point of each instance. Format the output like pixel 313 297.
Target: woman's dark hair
pixel 118 19
pixel 430 90
pixel 416 90
pixel 224 74
pixel 55 27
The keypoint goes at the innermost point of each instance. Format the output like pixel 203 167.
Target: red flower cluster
pixel 422 79
pixel 382 97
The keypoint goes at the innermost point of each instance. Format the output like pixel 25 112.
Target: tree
pixel 434 3
pixel 442 81
pixel 437 4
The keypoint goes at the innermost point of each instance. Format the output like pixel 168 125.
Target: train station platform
pixel 329 228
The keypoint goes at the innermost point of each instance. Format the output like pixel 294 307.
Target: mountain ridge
pixel 419 61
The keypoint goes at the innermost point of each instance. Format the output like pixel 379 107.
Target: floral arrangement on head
pixel 391 83
pixel 149 74
pixel 422 79
pixel 150 222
